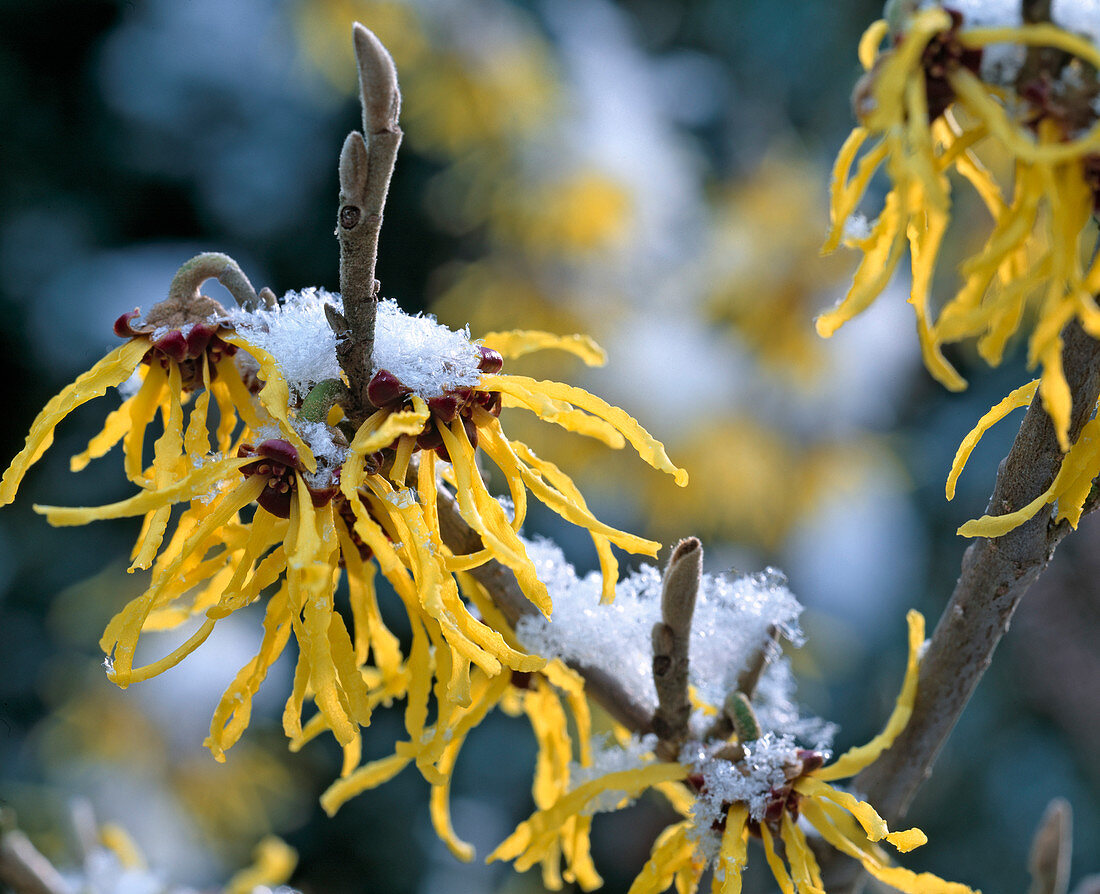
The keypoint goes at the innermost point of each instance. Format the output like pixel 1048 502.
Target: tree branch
pixel 995 575
pixel 366 166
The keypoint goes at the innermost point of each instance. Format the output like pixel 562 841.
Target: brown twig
pixel 366 166
pixel 1051 849
pixel 995 575
pixel 1041 62
pixel 671 639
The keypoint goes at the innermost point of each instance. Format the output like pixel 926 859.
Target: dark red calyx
pixel 522 679
pixel 277 461
pixel 471 430
pixel 489 401
pixel 385 388
pixel 943 55
pixel 430 438
pixel 490 360
pixel 124 325
pixel 696 781
pixel 444 408
pixel 811 760
pixel 173 345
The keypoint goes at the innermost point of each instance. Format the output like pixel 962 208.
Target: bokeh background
pixel 653 173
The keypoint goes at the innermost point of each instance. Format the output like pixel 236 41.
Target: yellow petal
pixel 523 341
pixel 1020 397
pixel 196 484
pixel 782 878
pixel 807 875
pixel 114 428
pixel 112 370
pixel 273 863
pixel 533 832
pixel 855 759
pixel 870 42
pixel 649 448
pixel 902 879
pixel 384 427
pixel 671 852
pixel 275 398
pixel 733 853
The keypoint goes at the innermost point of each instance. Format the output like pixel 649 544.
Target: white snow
pixel 749 781
pixel 732 616
pixel 297 335
pixel 425 355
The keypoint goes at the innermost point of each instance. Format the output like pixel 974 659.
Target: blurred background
pixel 652 173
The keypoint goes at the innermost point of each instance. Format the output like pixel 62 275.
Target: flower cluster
pixel 957 89
pixel 729 789
pixel 284 495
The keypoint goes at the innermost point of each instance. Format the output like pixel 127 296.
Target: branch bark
pixel 366 166
pixel 996 573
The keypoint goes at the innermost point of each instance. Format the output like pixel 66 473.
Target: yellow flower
pixel 289 504
pixel 931 111
pixel 759 791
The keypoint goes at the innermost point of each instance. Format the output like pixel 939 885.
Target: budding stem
pixel 366 166
pixel 671 638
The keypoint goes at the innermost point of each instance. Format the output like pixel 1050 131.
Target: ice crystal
pixel 749 781
pixel 425 355
pixel 297 334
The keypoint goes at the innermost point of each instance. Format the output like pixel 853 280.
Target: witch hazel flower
pixel 298 496
pixel 755 784
pixel 953 84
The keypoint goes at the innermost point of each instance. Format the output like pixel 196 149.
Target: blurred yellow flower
pixel 931 112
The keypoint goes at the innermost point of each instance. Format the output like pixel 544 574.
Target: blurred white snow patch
pixel 671 371
pixel 103 873
pixel 1080 16
pixel 856 228
pixel 619 120
pixel 732 617
pixel 297 334
pixel 424 354
pixel 861 556
pixel 181 700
